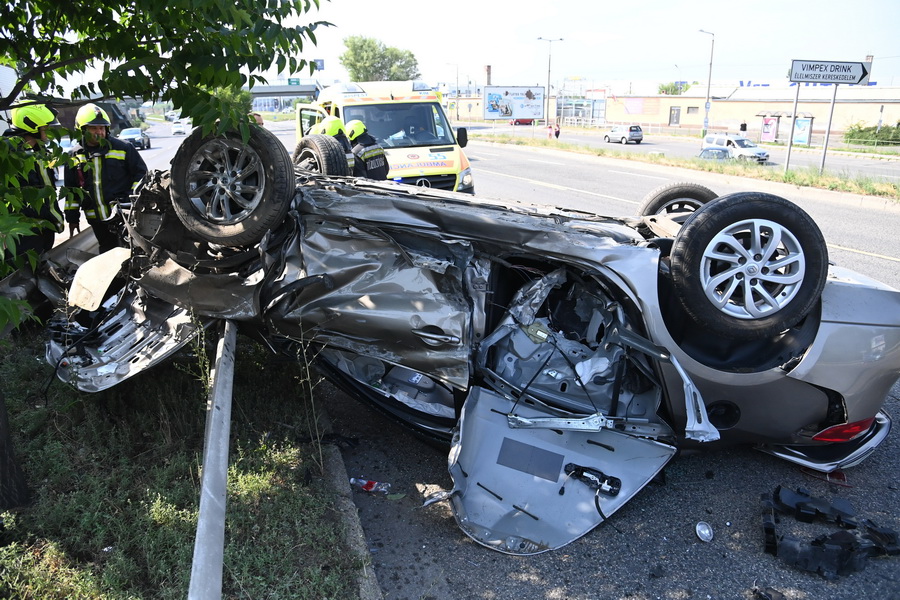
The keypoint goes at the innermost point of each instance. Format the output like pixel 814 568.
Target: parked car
pixel 741 147
pixel 716 153
pixel 564 358
pixel 625 134
pixel 521 121
pixel 177 128
pixel 136 137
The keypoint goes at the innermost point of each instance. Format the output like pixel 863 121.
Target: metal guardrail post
pixel 209 544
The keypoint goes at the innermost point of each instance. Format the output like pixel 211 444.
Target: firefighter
pixel 105 170
pixel 371 161
pixel 28 135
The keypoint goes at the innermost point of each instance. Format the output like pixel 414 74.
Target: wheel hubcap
pixel 752 269
pixel 226 181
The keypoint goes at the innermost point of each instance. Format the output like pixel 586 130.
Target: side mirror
pixel 462 136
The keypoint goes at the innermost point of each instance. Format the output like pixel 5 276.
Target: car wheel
pixel 228 192
pixel 638 141
pixel 606 138
pixel 322 154
pixel 148 144
pixel 679 199
pixel 749 265
pixel 623 141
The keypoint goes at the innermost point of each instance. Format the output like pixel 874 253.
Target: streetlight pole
pixel 712 47
pixel 457 89
pixel 549 57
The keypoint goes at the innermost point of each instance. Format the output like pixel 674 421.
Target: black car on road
pixel 136 137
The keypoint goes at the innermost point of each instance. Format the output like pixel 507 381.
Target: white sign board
pixel 513 102
pixel 819 71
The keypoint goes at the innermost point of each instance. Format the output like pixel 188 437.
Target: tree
pixel 240 98
pixel 14 490
pixel 673 89
pixel 178 51
pixel 367 59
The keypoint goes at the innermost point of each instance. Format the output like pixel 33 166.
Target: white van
pixel 407 119
pixel 741 147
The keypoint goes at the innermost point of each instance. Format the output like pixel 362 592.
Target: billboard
pixel 513 102
pixel 802 129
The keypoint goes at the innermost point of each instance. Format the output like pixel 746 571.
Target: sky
pixel 613 44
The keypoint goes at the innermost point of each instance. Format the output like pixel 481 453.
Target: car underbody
pixel 556 353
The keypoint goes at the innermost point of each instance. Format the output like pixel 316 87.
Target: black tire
pixel 606 138
pixel 735 292
pixel 148 144
pixel 623 141
pixel 321 154
pixel 676 199
pixel 638 141
pixel 230 193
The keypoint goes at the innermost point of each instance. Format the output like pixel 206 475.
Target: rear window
pixel 635 128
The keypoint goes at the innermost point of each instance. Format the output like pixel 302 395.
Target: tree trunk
pixel 13 489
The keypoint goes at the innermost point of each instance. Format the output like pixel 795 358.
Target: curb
pixel 336 477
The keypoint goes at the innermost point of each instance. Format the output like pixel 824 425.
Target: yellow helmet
pixel 91 114
pixel 355 128
pixel 333 126
pixel 29 119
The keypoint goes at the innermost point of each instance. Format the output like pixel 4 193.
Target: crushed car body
pixel 563 357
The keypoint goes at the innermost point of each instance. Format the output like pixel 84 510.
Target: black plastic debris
pixel 767 594
pixel 830 555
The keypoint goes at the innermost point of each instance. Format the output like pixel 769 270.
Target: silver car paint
pixel 384 282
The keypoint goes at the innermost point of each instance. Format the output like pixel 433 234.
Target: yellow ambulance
pixel 407 119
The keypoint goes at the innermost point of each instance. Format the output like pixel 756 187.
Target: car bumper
pixel 831 457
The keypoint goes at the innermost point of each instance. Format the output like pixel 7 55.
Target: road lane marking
pixel 559 187
pixel 571 189
pixel 546 162
pixel 872 254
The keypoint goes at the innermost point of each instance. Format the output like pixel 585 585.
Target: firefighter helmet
pixel 29 119
pixel 333 126
pixel 355 128
pixel 91 114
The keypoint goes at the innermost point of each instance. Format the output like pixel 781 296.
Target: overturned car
pixel 563 357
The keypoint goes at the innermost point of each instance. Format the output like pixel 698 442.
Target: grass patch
pixel 805 177
pixel 115 479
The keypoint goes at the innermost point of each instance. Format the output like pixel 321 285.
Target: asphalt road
pixel 648 549
pixel 836 160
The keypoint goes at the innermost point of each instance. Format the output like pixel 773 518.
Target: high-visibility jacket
pixel 371 161
pixel 41 175
pixel 107 173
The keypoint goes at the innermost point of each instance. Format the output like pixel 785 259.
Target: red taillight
pixel 845 432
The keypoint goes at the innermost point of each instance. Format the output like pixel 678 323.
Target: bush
pixel 873 136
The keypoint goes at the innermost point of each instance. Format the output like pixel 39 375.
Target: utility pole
pixel 549 58
pixel 712 47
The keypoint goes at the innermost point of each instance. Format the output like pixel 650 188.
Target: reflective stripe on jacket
pixel 107 173
pixel 371 161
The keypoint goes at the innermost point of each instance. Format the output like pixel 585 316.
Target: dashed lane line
pixel 559 187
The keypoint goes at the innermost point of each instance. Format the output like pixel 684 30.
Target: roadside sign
pixel 520 102
pixel 819 71
pixel 320 64
pixel 293 82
